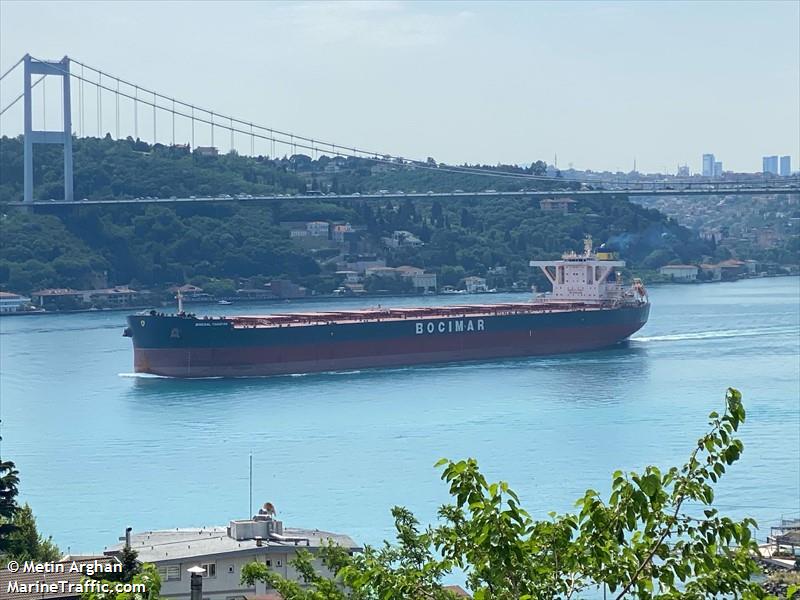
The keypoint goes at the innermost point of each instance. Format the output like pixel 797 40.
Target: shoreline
pixel 329 297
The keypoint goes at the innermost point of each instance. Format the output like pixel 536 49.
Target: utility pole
pixel 251 485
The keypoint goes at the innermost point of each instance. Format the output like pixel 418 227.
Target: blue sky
pixel 597 83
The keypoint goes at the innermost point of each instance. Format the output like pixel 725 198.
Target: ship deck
pixel 377 315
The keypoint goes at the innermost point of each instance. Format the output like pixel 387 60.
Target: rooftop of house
pixel 261 534
pixel 56 292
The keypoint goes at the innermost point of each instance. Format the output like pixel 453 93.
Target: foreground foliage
pixel 19 537
pixel 647 540
pixel 26 543
pixel 145 574
pixel 9 482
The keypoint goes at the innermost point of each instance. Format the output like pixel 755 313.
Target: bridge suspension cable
pixel 272 135
pixel 18 98
pixel 213 119
pixel 11 68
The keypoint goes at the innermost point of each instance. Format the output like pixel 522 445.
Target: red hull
pixel 264 361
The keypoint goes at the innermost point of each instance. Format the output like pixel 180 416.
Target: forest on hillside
pixel 221 245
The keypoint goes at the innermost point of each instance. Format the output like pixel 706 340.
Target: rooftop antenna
pixel 251 485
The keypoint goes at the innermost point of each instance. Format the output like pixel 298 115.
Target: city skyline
pixel 599 85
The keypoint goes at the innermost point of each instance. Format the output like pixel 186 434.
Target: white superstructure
pixel 588 279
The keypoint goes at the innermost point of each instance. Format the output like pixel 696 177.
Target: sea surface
pixel 99 449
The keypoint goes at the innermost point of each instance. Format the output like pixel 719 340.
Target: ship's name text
pixel 454 326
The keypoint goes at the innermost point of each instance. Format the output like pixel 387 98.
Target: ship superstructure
pixel 588 279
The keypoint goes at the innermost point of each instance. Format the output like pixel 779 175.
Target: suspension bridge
pixel 100 103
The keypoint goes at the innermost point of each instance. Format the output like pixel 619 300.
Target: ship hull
pixel 183 347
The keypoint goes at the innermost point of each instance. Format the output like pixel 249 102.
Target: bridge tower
pixel 61 69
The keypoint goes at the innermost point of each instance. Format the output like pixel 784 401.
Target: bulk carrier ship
pixel 588 309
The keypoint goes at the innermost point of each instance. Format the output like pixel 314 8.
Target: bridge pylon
pixel 60 69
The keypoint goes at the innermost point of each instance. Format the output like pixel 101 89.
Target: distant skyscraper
pixel 770 164
pixel 683 171
pixel 717 169
pixel 786 165
pixel 708 165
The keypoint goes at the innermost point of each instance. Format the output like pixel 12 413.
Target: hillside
pixel 230 245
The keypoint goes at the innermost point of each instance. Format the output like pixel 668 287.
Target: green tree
pixel 9 480
pixel 26 543
pixel 131 567
pixel 641 542
pixel 147 576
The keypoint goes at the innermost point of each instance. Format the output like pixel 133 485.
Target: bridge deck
pixel 637 191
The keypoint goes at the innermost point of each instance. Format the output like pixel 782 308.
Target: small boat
pixel 225 302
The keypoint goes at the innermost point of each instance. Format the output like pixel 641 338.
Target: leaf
pixel 650 485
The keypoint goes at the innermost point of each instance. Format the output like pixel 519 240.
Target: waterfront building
pixel 680 272
pixel 769 164
pixel 711 272
pixel 733 269
pixel 717 169
pixel 191 293
pixel 708 165
pixel 285 289
pixel 421 281
pixel 223 551
pixel 475 285
pixel 786 166
pixel 67 298
pixel 10 302
pixel 683 171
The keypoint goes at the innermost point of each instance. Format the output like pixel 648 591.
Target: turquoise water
pixel 99 449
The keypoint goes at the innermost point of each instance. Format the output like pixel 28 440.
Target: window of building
pixel 268 562
pixel 170 572
pixel 230 569
pixel 211 569
pixel 278 563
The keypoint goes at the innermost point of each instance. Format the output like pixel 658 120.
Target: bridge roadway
pixel 718 191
